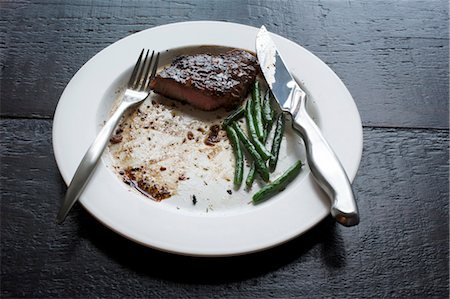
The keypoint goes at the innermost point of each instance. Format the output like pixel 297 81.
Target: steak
pixel 208 81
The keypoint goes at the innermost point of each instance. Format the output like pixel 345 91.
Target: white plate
pixel 87 100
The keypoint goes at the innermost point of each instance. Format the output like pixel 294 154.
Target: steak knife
pixel 323 162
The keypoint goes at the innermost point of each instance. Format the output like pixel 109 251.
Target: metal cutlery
pixel 137 91
pixel 323 162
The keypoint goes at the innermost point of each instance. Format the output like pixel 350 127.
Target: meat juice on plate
pixel 172 152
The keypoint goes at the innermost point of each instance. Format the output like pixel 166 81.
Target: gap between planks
pixel 40 117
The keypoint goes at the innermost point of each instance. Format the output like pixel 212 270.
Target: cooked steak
pixel 207 81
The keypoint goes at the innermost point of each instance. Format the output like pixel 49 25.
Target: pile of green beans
pixel 260 118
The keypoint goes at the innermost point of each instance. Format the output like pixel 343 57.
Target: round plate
pixel 89 96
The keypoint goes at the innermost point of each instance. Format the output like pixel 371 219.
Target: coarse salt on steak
pixel 208 81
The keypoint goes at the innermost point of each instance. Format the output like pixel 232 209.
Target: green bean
pixel 277 185
pixel 251 174
pixel 257 111
pixel 239 164
pixel 235 115
pixel 259 162
pixel 276 143
pixel 265 154
pixel 267 109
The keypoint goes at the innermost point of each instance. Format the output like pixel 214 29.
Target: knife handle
pixel 324 164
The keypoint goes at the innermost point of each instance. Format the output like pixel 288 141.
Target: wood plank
pixel 392 55
pixel 400 248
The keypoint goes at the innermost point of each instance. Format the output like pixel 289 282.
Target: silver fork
pixel 137 91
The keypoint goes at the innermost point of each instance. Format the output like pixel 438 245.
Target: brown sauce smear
pixel 151 190
pixel 213 135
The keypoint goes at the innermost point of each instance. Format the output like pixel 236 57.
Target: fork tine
pixel 141 70
pixel 154 69
pixel 135 70
pixel 146 72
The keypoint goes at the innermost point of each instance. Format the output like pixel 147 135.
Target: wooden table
pixel 393 57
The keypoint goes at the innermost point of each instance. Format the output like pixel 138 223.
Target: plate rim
pixel 164 247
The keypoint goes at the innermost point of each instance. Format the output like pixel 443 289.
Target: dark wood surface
pixel 392 55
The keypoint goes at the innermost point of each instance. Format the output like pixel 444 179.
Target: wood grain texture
pixel 392 55
pixel 400 248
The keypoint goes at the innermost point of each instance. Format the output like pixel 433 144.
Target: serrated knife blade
pixel 272 65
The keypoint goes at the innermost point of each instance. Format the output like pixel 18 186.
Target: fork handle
pixel 325 166
pixel 89 162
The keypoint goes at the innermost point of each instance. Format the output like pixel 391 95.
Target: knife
pixel 323 162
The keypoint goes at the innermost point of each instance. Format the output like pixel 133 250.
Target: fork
pixel 138 89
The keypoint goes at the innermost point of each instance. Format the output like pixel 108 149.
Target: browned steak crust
pixel 208 81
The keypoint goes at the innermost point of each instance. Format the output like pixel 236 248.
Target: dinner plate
pixel 88 99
